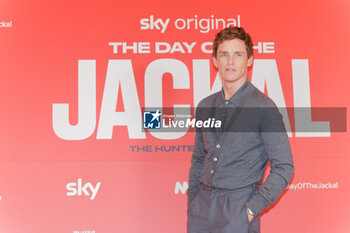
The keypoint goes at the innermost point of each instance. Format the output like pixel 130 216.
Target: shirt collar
pixel 241 94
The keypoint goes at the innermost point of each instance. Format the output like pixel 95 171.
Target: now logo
pixel 79 189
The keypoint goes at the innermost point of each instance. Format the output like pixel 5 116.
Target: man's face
pixel 232 61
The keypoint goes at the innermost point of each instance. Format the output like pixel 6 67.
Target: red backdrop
pixel 104 175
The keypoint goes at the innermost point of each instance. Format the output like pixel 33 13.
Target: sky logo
pixel 78 188
pixel 152 120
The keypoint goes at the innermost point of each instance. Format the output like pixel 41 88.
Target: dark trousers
pixel 221 211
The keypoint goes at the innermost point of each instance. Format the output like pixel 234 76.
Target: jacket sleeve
pixel 196 165
pixel 278 150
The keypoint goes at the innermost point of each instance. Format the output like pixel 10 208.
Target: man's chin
pixel 233 79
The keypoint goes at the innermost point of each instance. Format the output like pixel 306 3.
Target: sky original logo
pixel 79 189
pixel 152 120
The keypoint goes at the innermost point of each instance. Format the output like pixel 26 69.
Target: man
pixel 225 193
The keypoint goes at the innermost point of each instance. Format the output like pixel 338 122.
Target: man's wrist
pixel 250 211
pixel 250 214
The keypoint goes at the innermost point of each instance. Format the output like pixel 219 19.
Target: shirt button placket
pixel 212 171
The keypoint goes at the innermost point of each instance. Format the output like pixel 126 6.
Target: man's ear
pixel 215 62
pixel 250 61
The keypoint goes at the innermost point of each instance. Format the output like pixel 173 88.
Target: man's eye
pixel 223 55
pixel 238 55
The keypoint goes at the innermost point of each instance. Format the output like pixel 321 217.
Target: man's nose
pixel 231 59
